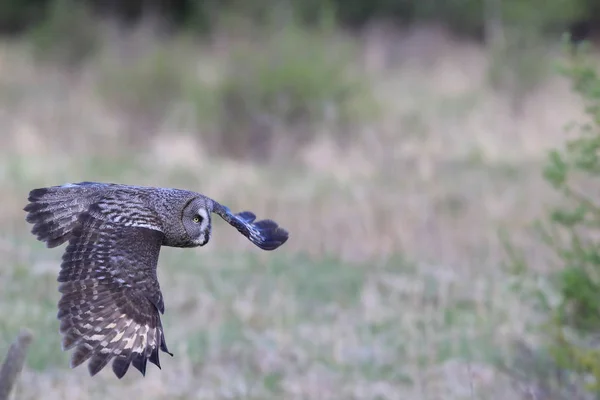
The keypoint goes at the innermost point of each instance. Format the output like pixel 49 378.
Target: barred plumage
pixel 111 299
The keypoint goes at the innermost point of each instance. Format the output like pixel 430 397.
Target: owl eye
pixel 197 219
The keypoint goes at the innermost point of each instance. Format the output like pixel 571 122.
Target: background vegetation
pixel 466 16
pixel 435 169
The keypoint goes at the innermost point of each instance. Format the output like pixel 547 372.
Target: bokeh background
pixel 393 139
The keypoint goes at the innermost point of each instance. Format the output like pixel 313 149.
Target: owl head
pixel 196 220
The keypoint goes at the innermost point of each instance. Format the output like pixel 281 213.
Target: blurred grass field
pixel 391 285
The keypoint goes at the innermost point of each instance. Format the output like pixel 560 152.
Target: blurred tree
pixel 16 15
pixel 66 35
pixel 464 16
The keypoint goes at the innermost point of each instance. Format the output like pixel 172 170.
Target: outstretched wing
pixel 111 298
pixel 266 234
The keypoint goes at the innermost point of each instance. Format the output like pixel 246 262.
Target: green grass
pixel 31 302
pixel 268 321
pixel 293 323
pixel 248 324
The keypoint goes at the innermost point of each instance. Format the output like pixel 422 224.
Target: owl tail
pixel 53 211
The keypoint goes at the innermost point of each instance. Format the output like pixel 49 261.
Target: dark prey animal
pixel 111 298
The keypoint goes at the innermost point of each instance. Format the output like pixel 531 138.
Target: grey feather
pixel 111 300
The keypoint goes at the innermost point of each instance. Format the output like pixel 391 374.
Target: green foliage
pixel 541 13
pixel 467 16
pixel 571 171
pixel 67 34
pixel 144 87
pixel 291 79
pixel 16 14
pixel 571 232
pixel 282 85
pixel 519 62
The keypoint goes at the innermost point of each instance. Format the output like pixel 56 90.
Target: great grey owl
pixel 111 298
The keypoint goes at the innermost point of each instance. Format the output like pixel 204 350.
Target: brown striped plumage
pixel 111 299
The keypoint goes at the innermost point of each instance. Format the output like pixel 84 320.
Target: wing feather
pixel 54 211
pixel 266 233
pixel 111 301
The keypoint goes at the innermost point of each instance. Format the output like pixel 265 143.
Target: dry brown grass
pixel 390 286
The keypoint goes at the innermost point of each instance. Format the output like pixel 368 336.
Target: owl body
pixel 111 299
